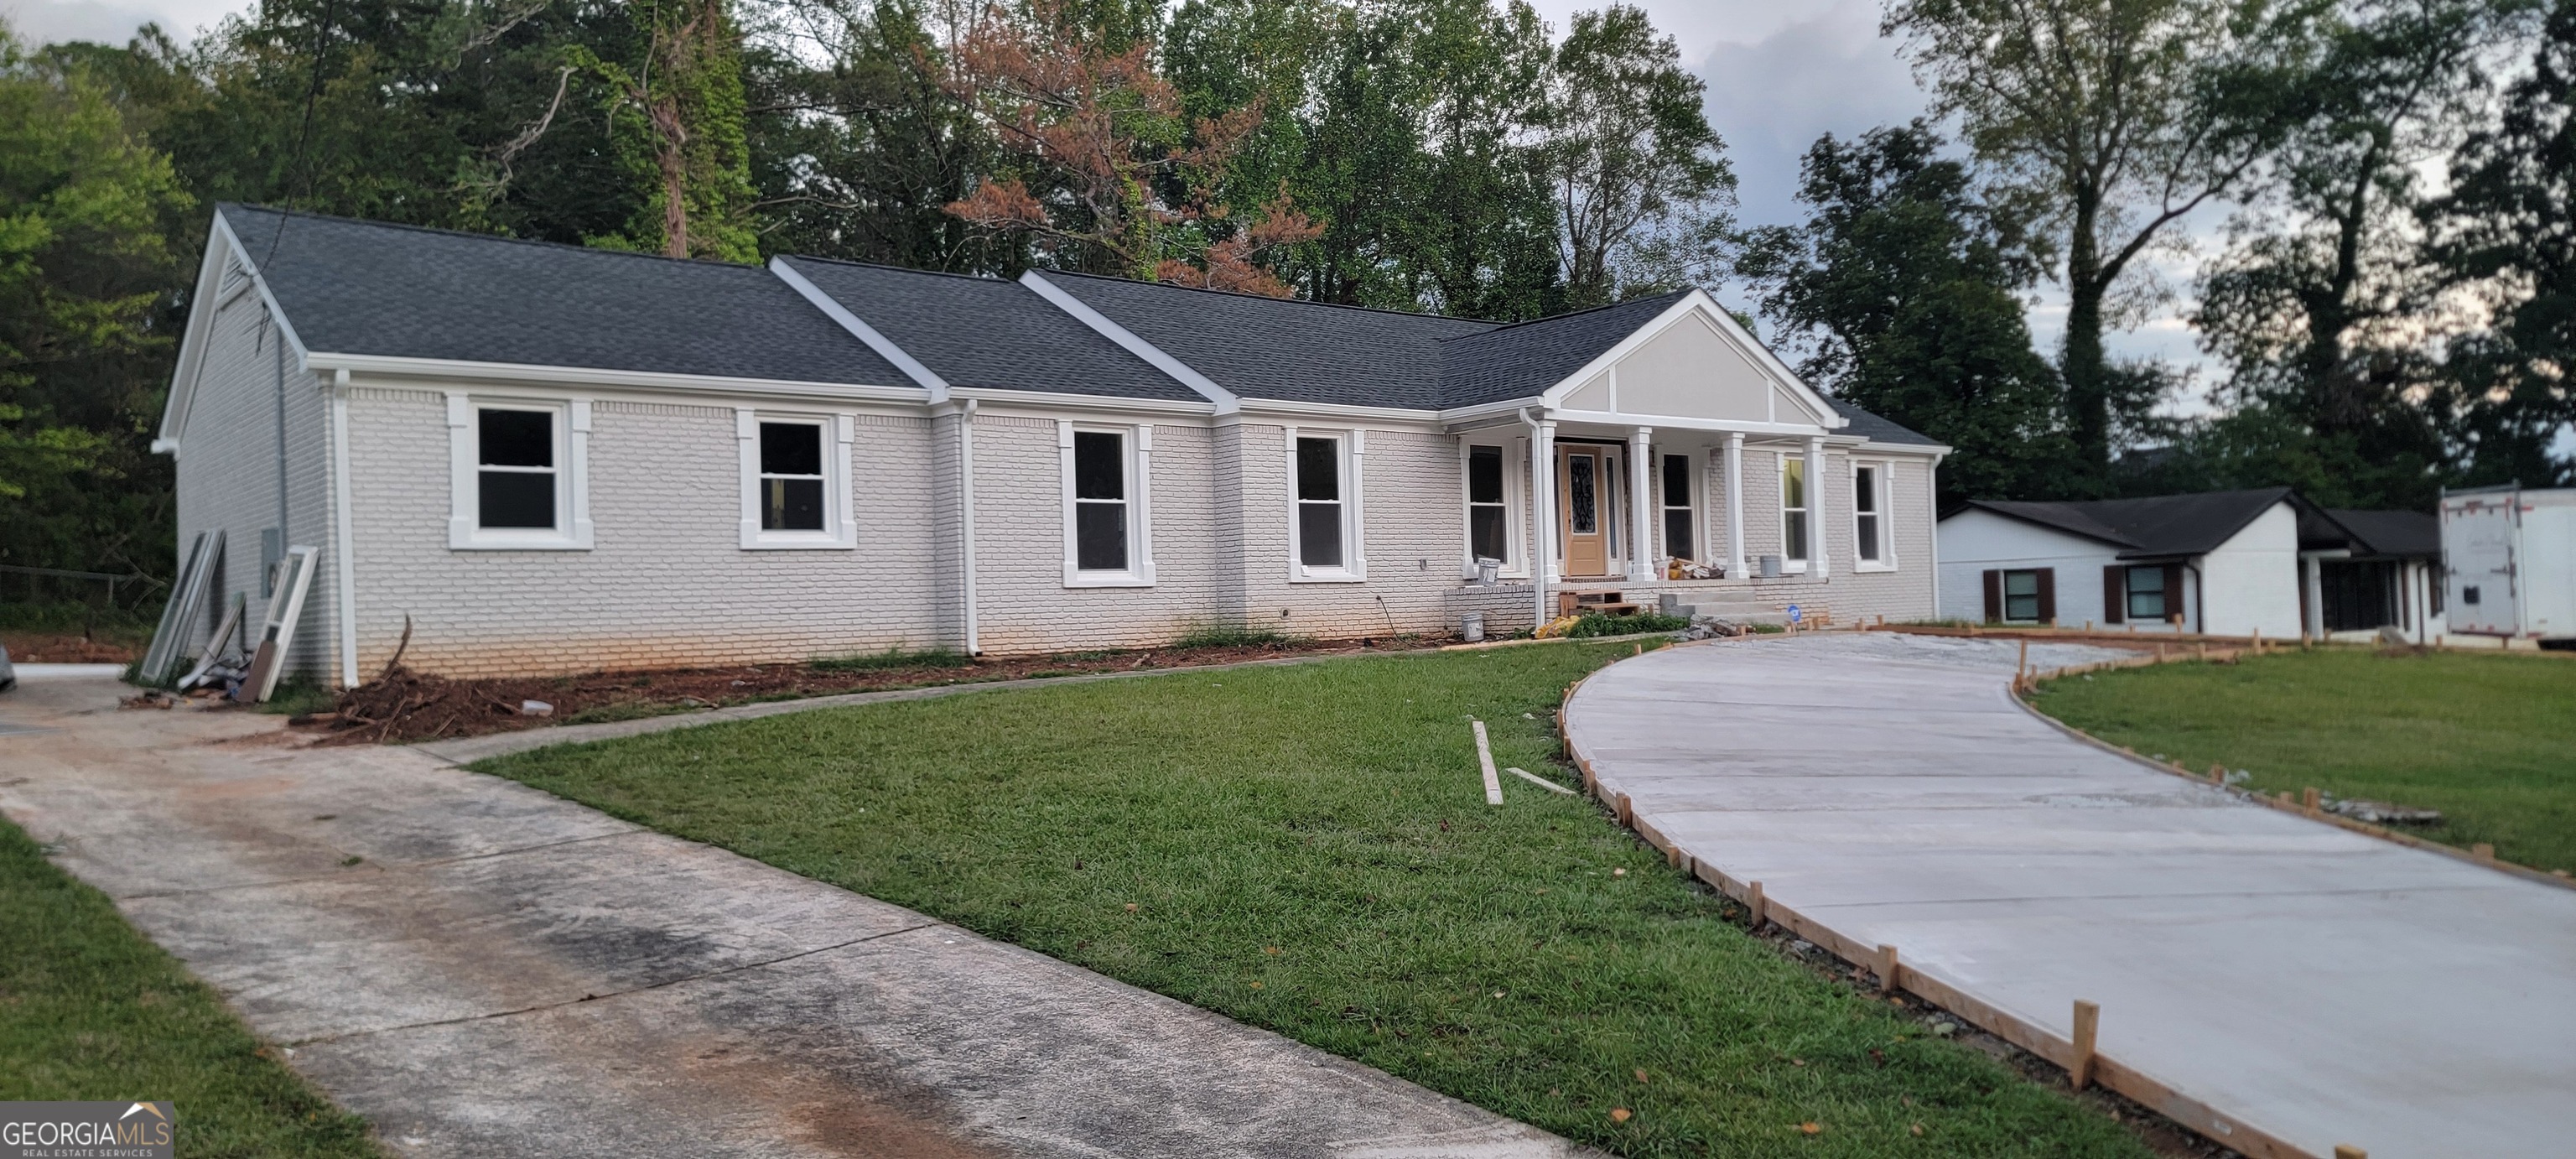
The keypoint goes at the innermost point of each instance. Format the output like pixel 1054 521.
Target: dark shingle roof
pixel 2407 533
pixel 1286 350
pixel 1879 430
pixel 357 287
pixel 2164 525
pixel 1522 359
pixel 975 331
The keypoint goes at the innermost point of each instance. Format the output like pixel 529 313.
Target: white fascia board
pixel 1000 400
pixel 1698 301
pixel 1288 408
pixel 1155 356
pixel 442 368
pixel 1610 418
pixel 859 329
pixel 1486 413
pixel 202 307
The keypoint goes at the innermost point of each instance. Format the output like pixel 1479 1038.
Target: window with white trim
pixel 1793 509
pixel 795 480
pixel 516 471
pixel 1324 500
pixel 1680 506
pixel 1099 501
pixel 1870 542
pixel 1107 540
pixel 1488 514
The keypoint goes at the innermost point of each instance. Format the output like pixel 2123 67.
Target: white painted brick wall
pixel 667 583
pixel 228 477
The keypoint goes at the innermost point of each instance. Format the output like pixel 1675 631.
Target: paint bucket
pixel 1472 628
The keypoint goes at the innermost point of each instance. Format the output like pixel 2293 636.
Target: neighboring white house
pixel 2227 563
pixel 550 459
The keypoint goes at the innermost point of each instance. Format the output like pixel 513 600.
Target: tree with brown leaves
pixel 1124 182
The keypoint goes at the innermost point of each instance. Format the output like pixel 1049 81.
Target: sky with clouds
pixel 1779 73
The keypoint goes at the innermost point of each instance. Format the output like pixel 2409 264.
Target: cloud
pixel 50 21
pixel 1829 72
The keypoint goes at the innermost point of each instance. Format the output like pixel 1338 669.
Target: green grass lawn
pixel 2490 740
pixel 89 1009
pixel 1307 848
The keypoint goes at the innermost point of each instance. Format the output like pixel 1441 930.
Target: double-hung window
pixel 1793 508
pixel 795 480
pixel 2021 597
pixel 2146 595
pixel 1488 518
pixel 1869 517
pixel 1323 523
pixel 1106 523
pixel 1681 519
pixel 516 473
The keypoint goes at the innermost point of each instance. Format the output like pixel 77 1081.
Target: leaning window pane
pixel 1318 469
pixel 1485 527
pixel 1794 535
pixel 791 449
pixel 516 438
pixel 1098 472
pixel 1319 534
pixel 1100 536
pixel 1484 474
pixel 791 505
pixel 517 499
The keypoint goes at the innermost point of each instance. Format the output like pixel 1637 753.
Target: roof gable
pixel 2159 526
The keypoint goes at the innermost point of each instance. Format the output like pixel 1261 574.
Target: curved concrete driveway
pixel 2320 985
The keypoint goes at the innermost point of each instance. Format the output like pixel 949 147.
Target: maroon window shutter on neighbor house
pixel 2048 595
pixel 1994 596
pixel 2115 594
pixel 2175 604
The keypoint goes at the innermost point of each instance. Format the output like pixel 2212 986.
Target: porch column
pixel 1818 565
pixel 2312 596
pixel 1735 505
pixel 1641 505
pixel 1542 515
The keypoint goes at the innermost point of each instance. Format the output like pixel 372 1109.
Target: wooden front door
pixel 1583 497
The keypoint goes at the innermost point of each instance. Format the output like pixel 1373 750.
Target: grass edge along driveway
pixel 1307 849
pixel 2483 737
pixel 90 1009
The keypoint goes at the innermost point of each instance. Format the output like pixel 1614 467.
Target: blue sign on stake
pixel 1795 616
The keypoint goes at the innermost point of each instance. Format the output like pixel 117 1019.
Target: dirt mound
pixel 402 705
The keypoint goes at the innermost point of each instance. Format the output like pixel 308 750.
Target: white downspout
pixel 346 564
pixel 966 519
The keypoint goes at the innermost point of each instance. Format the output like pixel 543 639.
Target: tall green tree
pixel 1902 285
pixel 2508 226
pixel 1644 195
pixel 2325 306
pixel 2108 121
pixel 85 207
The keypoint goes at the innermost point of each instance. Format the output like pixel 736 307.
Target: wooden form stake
pixel 2308 800
pixel 2348 1151
pixel 1485 757
pixel 1753 903
pixel 2482 851
pixel 1887 969
pixel 2088 1021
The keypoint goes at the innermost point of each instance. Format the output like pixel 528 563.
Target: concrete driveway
pixel 482 969
pixel 2320 985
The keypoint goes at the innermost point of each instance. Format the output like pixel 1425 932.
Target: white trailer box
pixel 2510 555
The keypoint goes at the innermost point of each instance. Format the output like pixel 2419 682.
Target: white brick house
pixel 555 460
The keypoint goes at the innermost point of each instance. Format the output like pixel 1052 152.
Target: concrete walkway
pixel 482 969
pixel 2320 985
